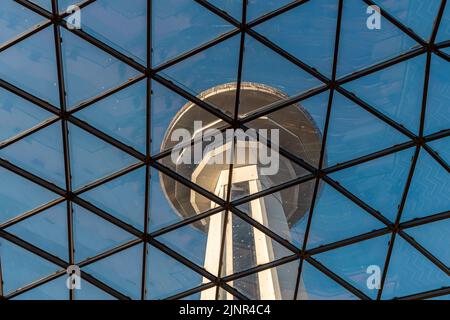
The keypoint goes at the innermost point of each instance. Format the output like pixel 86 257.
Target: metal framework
pixel 243 29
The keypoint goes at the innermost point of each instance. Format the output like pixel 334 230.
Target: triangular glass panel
pixel 94 235
pixel 354 132
pixel 300 127
pixel 433 237
pixel 168 106
pixel 171 201
pixel 12 202
pixel 307 32
pixel 444 27
pixel 191 242
pixel 231 7
pixel 40 153
pixel 441 147
pixel 46 4
pixel 438 98
pixel 285 212
pixel 429 190
pixel 21 267
pixel 356 263
pixel 167 276
pixel 18 116
pixel 215 68
pixel 417 15
pixel 257 8
pixel 276 283
pixel 121 271
pixel 46 230
pixel 261 88
pixel 395 91
pixel 90 292
pixel 52 290
pixel 245 247
pixel 336 218
pixel 123 197
pixel 121 115
pixel 15 20
pixel 182 25
pixel 31 66
pixel 253 178
pixel 315 285
pixel 362 44
pixel 88 154
pixel 380 182
pixel 411 272
pixel 88 70
pixel 104 20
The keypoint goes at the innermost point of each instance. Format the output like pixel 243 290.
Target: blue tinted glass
pixel 190 242
pixel 105 20
pixel 91 292
pixel 121 115
pixel 314 285
pixel 53 290
pixel 379 182
pixel 429 190
pixel 438 96
pixel 122 271
pixel 21 267
pixel 46 230
pixel 13 203
pixel 335 218
pixel 307 32
pixel 410 272
pixel 284 76
pixel 416 14
pixel 215 66
pixel 87 154
pixel 440 146
pixel 257 8
pixel 354 132
pixel 89 71
pixel 162 213
pixel 46 4
pixel 166 276
pixel 444 28
pixel 15 19
pixel 297 208
pixel 166 104
pixel 18 115
pixel 434 238
pixel 352 262
pixel 40 153
pixel 94 235
pixel 361 47
pixel 245 241
pixel 231 7
pixel 396 91
pixel 182 25
pixel 286 275
pixel 122 197
pixel 31 66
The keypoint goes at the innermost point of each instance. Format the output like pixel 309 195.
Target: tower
pixel 295 130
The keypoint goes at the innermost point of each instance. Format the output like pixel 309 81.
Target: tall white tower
pixel 243 246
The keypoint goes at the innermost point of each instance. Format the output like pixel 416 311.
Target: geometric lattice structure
pixel 83 114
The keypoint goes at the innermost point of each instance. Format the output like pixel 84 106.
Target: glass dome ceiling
pixel 83 114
